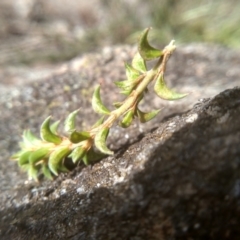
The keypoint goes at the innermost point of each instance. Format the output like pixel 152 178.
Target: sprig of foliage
pixel 49 155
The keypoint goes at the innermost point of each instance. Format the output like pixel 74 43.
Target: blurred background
pixel 49 31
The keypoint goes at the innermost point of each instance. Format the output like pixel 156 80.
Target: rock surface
pixel 177 177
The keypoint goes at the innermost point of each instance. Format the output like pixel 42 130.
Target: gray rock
pixel 174 178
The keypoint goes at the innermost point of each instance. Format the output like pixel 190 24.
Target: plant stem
pixel 159 68
pixel 132 99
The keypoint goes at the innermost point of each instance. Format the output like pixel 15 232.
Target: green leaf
pixel 56 157
pixel 77 153
pixel 46 172
pixel 117 104
pixel 92 156
pixel 17 155
pixel 29 139
pixel 126 86
pixel 69 124
pixel 38 155
pixel 132 74
pixel 25 167
pixel 76 137
pixel 127 119
pixel 24 158
pixel 29 136
pixel 47 134
pixel 164 92
pixel 145 117
pixel 146 51
pixel 33 172
pixel 138 63
pixel 123 84
pixel 97 104
pixel 62 168
pixel 100 141
pixel 86 160
pixel 98 122
pixel 54 127
pixel 126 92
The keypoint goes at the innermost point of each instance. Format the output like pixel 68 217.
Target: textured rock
pixel 178 181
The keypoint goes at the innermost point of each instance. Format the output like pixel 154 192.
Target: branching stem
pixel 159 68
pixel 50 154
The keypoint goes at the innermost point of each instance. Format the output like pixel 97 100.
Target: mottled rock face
pixel 176 177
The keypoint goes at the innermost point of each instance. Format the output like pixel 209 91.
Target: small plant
pixel 50 154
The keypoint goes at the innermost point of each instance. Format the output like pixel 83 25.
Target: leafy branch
pixel 50 154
